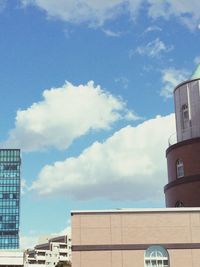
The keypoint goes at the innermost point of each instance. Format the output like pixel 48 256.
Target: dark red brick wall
pixel 189 193
pixel 189 152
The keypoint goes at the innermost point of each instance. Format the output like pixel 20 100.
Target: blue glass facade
pixel 10 162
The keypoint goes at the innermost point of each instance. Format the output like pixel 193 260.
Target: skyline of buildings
pixel 149 237
pixel 133 56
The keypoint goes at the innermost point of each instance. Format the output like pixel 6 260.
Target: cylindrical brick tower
pixel 183 155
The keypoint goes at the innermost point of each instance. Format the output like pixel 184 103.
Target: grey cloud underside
pixel 116 191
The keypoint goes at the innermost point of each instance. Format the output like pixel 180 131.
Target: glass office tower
pixel 9 198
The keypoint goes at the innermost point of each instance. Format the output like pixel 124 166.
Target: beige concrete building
pixel 136 238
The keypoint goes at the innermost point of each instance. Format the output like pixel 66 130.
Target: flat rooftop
pixel 127 210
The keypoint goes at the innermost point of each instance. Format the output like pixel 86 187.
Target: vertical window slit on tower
pixel 185 116
pixel 179 168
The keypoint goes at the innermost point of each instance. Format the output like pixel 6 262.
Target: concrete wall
pixel 120 239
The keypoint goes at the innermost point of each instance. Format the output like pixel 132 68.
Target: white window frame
pixel 179 168
pixel 156 256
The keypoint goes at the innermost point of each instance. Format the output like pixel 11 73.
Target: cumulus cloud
pixel 98 12
pixel 130 164
pixel 171 77
pixel 151 49
pixel 65 114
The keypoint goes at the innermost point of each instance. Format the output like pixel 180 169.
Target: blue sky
pixel 86 93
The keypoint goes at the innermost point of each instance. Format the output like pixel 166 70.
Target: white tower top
pixel 187 107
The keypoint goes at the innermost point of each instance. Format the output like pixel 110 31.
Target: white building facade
pixel 57 249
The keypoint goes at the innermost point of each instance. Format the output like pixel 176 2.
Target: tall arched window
pixel 185 116
pixel 156 256
pixel 179 168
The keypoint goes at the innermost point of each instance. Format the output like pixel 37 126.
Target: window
pixel 185 116
pixel 179 204
pixel 156 256
pixel 179 168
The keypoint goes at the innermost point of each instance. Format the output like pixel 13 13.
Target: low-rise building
pixel 57 249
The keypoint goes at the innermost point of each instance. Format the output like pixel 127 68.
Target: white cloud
pixel 65 231
pixel 97 12
pixel 152 49
pixel 24 186
pixel 130 164
pixel 28 242
pixel 171 78
pixel 186 11
pixel 63 115
pixel 111 33
pixel 153 29
pixel 31 240
pixel 197 60
pixel 93 11
pixel 123 81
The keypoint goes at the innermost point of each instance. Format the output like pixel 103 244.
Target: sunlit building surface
pixel 9 198
pixel 168 237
